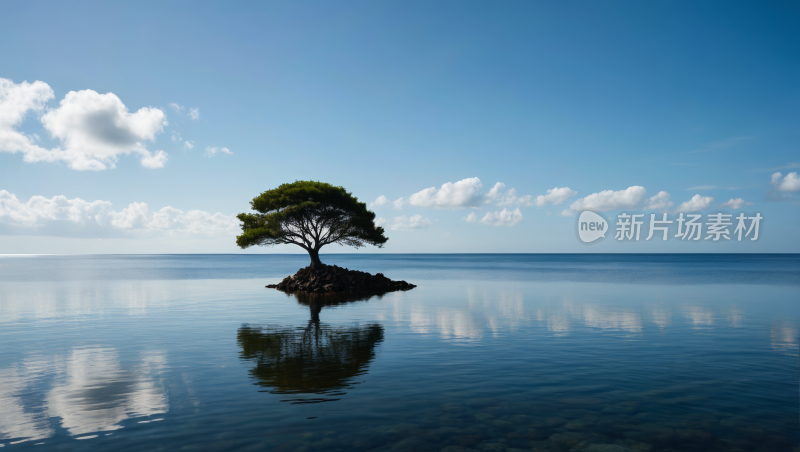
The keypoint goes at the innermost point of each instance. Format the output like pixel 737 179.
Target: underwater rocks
pixel 333 279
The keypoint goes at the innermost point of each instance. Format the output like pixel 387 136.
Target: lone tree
pixel 310 215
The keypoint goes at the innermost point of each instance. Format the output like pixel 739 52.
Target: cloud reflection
pixel 27 300
pixel 18 421
pixel 91 392
pixel 699 317
pixel 784 338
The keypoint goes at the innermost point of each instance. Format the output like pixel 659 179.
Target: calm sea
pixel 596 353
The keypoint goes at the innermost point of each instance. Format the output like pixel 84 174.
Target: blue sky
pixel 390 99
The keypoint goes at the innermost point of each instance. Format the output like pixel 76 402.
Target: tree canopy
pixel 310 215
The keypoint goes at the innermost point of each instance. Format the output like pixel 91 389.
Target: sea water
pixel 488 353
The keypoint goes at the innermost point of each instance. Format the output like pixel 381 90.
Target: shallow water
pixel 489 353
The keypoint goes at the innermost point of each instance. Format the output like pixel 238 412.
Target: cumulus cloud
pixel 737 203
pixel 210 152
pixel 189 145
pixel 466 193
pixel 471 218
pixel 496 196
pixel 555 196
pixel 504 217
pixel 790 182
pixel 61 216
pixel 629 198
pixel 178 108
pixel 696 203
pixel 176 136
pixel 94 129
pixel 379 202
pixel 459 195
pixel 659 202
pixel 398 203
pixel 380 221
pixel 403 223
pixel 16 100
pixel 194 113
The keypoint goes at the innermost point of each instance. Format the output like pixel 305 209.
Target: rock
pixel 520 419
pixel 502 424
pixel 564 441
pixel 457 449
pixel 641 447
pixel 555 421
pixel 577 425
pixel 408 444
pixel 333 279
pixel 538 434
pixel 600 448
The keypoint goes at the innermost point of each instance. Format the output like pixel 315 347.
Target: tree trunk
pixel 315 262
pixel 315 309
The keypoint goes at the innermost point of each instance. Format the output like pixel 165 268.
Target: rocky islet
pixel 334 279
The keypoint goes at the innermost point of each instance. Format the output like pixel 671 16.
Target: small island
pixel 333 279
pixel 310 215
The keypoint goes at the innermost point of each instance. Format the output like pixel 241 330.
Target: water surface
pixel 489 353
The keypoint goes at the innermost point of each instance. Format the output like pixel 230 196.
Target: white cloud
pixel 75 217
pixel 188 145
pixel 96 128
pixel 398 203
pixel 696 203
pixel 210 152
pixel 471 218
pixel 156 160
pixel 93 128
pixel 737 203
pixel 176 136
pixel 659 202
pixel 504 217
pixel 466 193
pixel 403 223
pixel 566 213
pixel 496 195
pixel 379 202
pixel 790 182
pixel 194 113
pixel 178 108
pixel 459 195
pixel 16 100
pixel 555 196
pixel 629 198
pixel 380 221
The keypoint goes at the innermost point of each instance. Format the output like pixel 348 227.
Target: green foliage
pixel 309 214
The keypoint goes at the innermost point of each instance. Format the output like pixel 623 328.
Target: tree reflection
pixel 316 302
pixel 316 359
